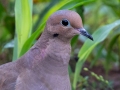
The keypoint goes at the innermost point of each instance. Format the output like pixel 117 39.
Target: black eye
pixel 65 22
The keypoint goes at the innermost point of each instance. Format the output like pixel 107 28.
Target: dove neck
pixel 43 40
pixel 54 54
pixel 57 57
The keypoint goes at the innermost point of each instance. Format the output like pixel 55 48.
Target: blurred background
pixel 100 69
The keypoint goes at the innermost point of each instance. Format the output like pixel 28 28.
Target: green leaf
pixel 23 19
pixel 109 52
pixel 99 35
pixel 29 42
pixel 74 40
pixel 75 3
pixel 99 51
pixel 15 52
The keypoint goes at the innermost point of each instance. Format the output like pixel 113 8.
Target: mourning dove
pixel 45 65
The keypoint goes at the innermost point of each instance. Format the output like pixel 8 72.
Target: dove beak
pixel 85 33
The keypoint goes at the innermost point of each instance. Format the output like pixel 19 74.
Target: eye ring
pixel 65 22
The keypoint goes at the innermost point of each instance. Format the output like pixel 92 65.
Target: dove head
pixel 64 24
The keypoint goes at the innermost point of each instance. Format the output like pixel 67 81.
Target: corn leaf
pixel 23 19
pixel 99 35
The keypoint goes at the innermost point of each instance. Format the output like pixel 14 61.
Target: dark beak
pixel 85 33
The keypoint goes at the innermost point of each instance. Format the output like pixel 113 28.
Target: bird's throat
pixel 53 55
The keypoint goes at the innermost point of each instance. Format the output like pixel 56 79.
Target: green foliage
pixel 23 18
pixel 5 22
pixel 99 35
pixel 105 83
pixel 109 54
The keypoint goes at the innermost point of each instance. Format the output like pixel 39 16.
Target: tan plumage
pixel 45 65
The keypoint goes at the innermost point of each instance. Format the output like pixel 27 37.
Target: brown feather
pixel 45 65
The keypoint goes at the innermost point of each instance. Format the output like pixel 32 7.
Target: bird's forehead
pixel 71 16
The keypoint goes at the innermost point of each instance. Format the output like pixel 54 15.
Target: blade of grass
pixel 23 19
pixel 29 42
pixel 111 44
pixel 15 52
pixel 97 56
pixel 76 3
pixel 99 35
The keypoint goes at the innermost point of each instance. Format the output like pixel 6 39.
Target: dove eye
pixel 65 22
